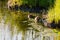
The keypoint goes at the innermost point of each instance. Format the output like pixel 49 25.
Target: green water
pixel 14 24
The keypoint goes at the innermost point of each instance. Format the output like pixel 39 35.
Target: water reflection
pixel 7 34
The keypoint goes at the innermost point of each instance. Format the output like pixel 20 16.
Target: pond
pixel 9 31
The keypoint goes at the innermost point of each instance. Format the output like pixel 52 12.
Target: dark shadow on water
pixel 26 8
pixel 33 9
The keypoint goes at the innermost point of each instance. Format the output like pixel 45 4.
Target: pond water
pixel 31 34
